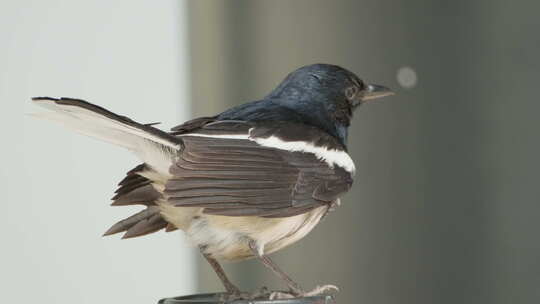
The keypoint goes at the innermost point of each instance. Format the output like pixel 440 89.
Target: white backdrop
pixel 130 57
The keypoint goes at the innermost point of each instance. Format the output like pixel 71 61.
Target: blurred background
pixel 446 199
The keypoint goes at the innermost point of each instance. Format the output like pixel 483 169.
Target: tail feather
pixel 136 189
pixel 132 174
pixel 155 147
pixel 143 227
pixel 145 195
pixel 170 227
pixel 147 221
pixel 127 223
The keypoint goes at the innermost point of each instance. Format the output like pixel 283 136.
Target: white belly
pixel 226 237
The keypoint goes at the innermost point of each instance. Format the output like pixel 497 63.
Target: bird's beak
pixel 374 91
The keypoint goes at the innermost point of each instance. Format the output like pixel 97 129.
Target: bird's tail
pixel 153 146
pixel 136 189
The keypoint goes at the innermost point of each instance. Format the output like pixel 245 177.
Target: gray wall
pixel 446 199
pixel 130 57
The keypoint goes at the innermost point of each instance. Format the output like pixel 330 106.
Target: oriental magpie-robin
pixel 244 183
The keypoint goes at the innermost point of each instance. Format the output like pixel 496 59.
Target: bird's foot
pixel 280 295
pixel 319 290
pixel 261 293
pixel 264 293
pixel 233 296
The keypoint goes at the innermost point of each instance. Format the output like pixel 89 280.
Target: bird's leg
pixel 293 286
pixel 229 286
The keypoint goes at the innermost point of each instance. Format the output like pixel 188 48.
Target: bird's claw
pixel 319 290
pixel 264 293
pixel 233 296
pixel 279 295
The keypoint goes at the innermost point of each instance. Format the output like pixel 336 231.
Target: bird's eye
pixel 351 92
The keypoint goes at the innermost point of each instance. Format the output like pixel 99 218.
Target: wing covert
pixel 227 171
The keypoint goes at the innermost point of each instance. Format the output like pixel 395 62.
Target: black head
pixel 326 95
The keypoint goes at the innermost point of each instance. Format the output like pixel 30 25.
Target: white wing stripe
pixel 224 136
pixel 332 157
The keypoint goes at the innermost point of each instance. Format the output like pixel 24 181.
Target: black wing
pixel 224 169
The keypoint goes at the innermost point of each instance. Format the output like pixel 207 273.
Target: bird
pixel 241 184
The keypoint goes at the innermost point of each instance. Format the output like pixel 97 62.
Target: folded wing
pixel 244 169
